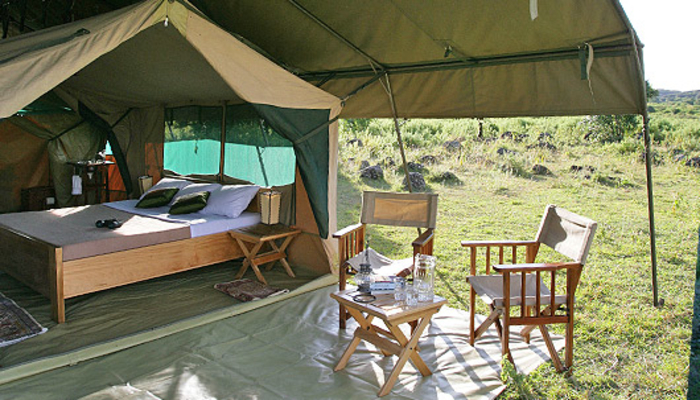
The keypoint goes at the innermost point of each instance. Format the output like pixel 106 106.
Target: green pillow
pixel 157 198
pixel 189 203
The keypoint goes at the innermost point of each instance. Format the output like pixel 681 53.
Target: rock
pixel 502 151
pixel 452 145
pixel 374 172
pixel 539 169
pixel 412 166
pixel 520 137
pixel 507 135
pixel 446 177
pixel 355 142
pixel 544 136
pixel 693 162
pixel 542 145
pixel 429 160
pixel 417 181
pixel 579 168
pixel 364 164
pixel 655 158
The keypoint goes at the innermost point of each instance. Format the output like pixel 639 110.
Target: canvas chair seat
pixel 381 264
pixel 490 289
pixel 502 287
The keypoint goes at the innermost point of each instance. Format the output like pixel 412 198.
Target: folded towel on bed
pixel 248 290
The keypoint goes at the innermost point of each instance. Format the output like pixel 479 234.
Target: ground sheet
pixel 285 350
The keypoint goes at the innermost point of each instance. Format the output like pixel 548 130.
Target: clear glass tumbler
pixel 411 295
pixel 400 289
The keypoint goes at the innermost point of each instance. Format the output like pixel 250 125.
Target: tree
pixel 613 128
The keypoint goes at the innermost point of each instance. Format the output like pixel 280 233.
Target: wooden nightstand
pixel 251 239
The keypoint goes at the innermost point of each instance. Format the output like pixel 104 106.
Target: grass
pixel 625 348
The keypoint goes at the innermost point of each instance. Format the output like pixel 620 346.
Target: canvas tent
pixel 120 70
pixel 453 58
pixel 441 59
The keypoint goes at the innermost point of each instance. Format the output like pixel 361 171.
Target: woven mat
pixel 248 290
pixel 15 323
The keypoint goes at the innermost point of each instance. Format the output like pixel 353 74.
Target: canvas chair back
pixel 399 209
pixel 567 233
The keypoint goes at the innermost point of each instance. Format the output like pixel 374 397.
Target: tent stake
pixel 650 202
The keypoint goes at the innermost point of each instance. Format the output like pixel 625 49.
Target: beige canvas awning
pixel 459 58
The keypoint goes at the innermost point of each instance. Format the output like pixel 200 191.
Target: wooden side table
pixel 394 341
pixel 95 176
pixel 251 240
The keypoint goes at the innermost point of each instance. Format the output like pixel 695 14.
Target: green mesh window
pixel 252 150
pixel 192 140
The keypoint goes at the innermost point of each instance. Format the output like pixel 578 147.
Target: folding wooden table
pixel 251 240
pixel 393 341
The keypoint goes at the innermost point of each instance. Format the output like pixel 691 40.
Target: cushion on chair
pixel 382 265
pixel 490 289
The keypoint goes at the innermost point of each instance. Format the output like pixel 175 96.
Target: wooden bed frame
pixel 40 265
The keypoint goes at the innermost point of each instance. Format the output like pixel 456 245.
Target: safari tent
pixel 122 70
pixel 135 75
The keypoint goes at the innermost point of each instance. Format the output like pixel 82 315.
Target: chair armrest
pixel 424 238
pixel 535 267
pixel 484 243
pixel 347 230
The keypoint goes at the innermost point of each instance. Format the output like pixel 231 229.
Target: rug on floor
pixel 16 324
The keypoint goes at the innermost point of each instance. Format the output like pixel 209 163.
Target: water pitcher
pixel 424 277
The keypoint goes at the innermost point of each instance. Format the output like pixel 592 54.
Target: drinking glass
pixel 411 296
pixel 400 289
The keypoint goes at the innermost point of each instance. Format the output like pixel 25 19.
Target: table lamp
pixel 270 207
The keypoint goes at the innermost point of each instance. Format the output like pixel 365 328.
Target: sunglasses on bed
pixel 108 223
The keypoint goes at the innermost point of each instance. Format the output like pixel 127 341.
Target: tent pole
pixel 398 133
pixel 223 142
pixel 337 35
pixel 650 202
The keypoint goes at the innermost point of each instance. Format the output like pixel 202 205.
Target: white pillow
pixel 196 187
pixel 168 183
pixel 230 200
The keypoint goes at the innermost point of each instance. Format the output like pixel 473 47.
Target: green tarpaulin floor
pixel 286 349
pixel 112 320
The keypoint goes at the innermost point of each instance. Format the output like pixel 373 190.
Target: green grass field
pixel 624 347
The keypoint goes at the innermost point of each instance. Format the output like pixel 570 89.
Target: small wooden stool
pixel 256 236
pixel 394 341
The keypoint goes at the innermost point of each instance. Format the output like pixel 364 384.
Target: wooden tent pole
pixel 650 203
pixel 222 148
pixel 398 133
pixel 648 161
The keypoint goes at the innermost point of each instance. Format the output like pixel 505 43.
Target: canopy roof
pixel 155 52
pixel 452 58
pixel 445 58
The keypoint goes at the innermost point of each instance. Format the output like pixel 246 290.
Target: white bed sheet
pixel 200 224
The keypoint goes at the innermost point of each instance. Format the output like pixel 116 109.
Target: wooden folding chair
pixel 521 287
pixel 418 210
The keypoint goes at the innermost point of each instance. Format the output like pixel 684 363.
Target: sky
pixel 670 32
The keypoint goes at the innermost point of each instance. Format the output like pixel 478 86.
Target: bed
pixel 61 254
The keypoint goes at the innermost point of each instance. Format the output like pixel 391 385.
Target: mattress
pixel 73 229
pixel 199 224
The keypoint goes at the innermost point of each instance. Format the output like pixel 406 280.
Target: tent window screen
pixel 192 140
pixel 253 151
